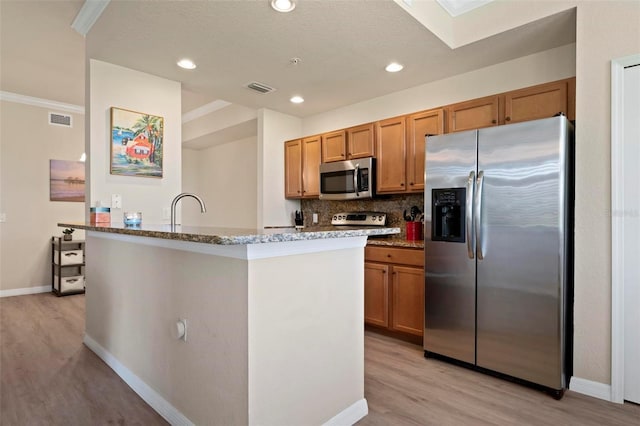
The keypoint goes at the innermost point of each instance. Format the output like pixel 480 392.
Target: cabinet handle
pixel 493 121
pixel 411 183
pixel 384 272
pixel 401 183
pixel 507 119
pixel 389 256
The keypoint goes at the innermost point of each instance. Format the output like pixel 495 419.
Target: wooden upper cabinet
pixel 311 153
pixel 532 103
pixel 474 114
pixel 391 155
pixel 302 168
pixel 360 141
pixel 418 126
pixel 355 142
pixel 293 169
pixel 334 146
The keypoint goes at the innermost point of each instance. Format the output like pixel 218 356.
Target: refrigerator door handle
pixel 478 214
pixel 471 242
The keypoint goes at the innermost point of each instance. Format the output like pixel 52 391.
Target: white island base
pixel 275 331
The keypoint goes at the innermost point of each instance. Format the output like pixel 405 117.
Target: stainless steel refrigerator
pixel 499 249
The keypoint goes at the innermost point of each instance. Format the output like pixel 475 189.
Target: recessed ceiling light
pixel 297 99
pixel 283 5
pixel 394 67
pixel 186 64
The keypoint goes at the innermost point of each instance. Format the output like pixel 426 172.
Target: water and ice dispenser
pixel 448 214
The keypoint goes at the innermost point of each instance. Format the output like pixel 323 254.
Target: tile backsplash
pixel 392 205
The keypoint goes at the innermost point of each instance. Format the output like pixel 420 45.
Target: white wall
pixel 225 177
pixel 273 129
pixel 542 67
pixel 597 45
pixel 115 86
pixel 27 143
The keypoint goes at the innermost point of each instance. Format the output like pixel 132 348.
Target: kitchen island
pixel 274 320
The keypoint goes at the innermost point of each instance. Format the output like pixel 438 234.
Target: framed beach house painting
pixel 136 143
pixel 66 180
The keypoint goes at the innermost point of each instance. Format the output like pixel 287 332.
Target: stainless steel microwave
pixel 347 180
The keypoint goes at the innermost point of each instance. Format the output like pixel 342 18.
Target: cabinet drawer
pixel 402 256
pixel 68 257
pixel 67 284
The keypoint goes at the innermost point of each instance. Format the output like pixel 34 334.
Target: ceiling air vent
pixel 60 119
pixel 259 87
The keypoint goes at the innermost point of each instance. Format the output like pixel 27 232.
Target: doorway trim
pixel 618 225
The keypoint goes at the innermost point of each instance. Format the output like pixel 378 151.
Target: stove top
pixel 359 218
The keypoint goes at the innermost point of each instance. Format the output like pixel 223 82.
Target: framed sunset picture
pixel 136 143
pixel 66 180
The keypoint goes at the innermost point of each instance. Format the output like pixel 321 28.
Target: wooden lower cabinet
pixel 407 299
pixel 376 294
pixel 394 289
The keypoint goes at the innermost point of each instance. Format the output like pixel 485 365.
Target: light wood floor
pixel 48 377
pixel 404 388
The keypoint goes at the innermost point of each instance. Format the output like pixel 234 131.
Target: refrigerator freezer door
pixel 449 265
pixel 520 274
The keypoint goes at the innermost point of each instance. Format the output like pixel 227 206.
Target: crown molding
pixel 88 15
pixel 39 102
pixel 204 110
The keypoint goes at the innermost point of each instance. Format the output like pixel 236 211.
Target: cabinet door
pixel 334 146
pixel 474 114
pixel 360 141
pixel 542 101
pixel 407 298
pixel 293 169
pixel 311 152
pixel 376 294
pixel 418 126
pixel 391 155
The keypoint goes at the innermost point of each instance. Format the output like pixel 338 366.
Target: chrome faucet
pixel 175 202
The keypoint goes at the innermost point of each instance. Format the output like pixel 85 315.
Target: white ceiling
pixel 343 46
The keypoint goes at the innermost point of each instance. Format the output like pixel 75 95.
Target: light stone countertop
pixel 231 236
pixel 395 240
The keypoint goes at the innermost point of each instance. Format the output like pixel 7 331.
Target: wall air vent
pixel 259 87
pixel 57 119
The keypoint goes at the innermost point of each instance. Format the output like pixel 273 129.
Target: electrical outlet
pixel 116 201
pixel 166 213
pixel 3 217
pixel 315 218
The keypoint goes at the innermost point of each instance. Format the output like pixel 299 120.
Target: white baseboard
pixel 26 290
pixel 590 388
pixel 150 396
pixel 350 415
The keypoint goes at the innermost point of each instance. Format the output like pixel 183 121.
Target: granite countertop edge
pixel 231 236
pixel 396 240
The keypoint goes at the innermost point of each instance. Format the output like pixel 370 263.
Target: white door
pixel 631 138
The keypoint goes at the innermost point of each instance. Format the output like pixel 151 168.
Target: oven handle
pixel 356 174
